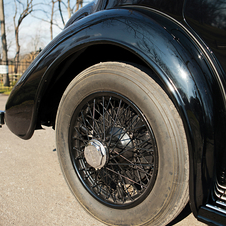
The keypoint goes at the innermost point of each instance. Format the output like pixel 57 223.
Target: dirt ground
pixel 33 190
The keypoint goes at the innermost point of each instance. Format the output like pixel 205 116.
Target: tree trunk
pixel 79 2
pixel 51 21
pixel 62 18
pixel 17 56
pixel 4 45
pixel 68 9
pixel 27 9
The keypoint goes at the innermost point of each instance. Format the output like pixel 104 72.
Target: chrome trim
pixel 220 191
pixel 216 208
pixel 221 203
pixel 96 154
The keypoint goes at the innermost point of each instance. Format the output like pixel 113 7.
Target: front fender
pixel 124 27
pixel 185 76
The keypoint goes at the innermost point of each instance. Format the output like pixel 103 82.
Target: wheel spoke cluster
pixel 131 168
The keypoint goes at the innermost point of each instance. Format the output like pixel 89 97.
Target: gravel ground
pixel 33 190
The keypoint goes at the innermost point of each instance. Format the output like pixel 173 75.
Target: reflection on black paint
pixel 171 7
pixel 208 19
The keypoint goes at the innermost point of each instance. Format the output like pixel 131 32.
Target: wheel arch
pixel 87 55
pixel 58 71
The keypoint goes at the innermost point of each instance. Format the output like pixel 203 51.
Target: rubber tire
pixel 170 192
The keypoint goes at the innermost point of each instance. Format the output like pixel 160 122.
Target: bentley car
pixel 136 92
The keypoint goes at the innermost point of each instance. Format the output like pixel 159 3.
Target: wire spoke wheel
pixel 123 174
pixel 122 146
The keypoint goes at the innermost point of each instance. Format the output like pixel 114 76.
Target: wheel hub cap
pixel 95 154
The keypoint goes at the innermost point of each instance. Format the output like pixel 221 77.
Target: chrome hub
pixel 96 154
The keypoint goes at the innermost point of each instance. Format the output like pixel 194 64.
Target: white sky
pixel 32 30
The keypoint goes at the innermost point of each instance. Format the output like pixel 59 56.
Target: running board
pixel 213 214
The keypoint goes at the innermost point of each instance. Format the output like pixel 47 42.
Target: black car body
pixel 183 43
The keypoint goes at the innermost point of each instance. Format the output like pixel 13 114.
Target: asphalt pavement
pixel 33 190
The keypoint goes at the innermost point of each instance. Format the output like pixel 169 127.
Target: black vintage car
pixel 136 91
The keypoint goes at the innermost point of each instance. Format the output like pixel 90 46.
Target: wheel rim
pixel 113 150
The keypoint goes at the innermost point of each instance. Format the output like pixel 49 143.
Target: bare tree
pixel 51 19
pixel 27 8
pixel 36 43
pixel 70 9
pixel 79 4
pixel 61 14
pixel 10 38
pixel 47 9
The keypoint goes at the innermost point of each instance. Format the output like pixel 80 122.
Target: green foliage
pixel 5 89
